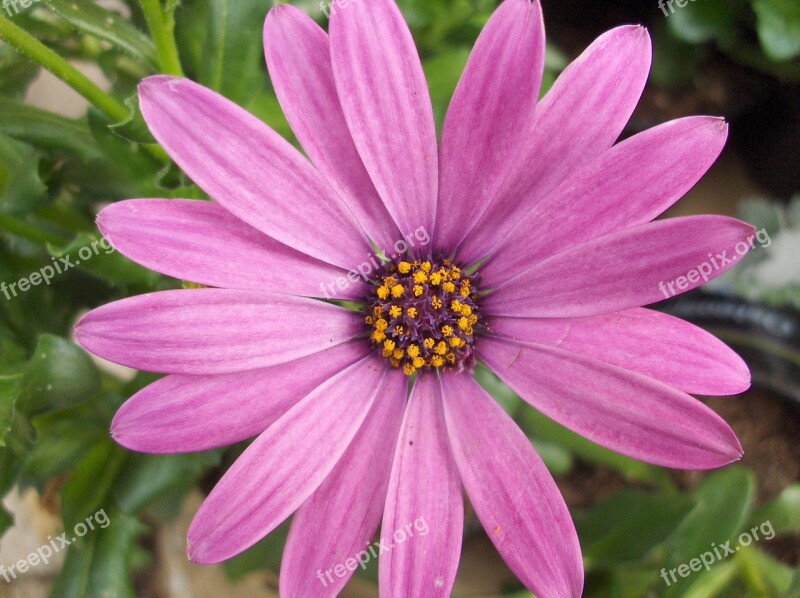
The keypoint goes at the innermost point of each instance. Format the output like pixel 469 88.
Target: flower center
pixel 424 314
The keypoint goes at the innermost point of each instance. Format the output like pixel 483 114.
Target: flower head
pixel 543 250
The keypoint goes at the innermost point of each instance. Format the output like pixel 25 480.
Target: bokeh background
pixel 63 157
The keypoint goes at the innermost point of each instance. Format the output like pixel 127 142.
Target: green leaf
pixel 91 482
pixel 16 72
pixel 94 254
pixel 708 584
pixel 233 58
pixel 45 129
pixel 65 437
pixel 150 478
pixel 135 128
pixel 97 565
pixel 778 575
pixel 778 27
pixel 9 393
pixel 782 514
pixel 60 374
pixel 90 18
pixel 628 526
pixel 443 73
pixel 21 188
pixel 705 21
pixel 722 504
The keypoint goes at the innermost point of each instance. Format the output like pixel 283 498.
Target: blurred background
pixel 62 157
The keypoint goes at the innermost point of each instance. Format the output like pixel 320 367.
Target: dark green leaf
pixel 59 374
pixel 148 478
pixel 16 72
pixel 134 129
pixel 45 129
pixel 92 19
pixel 9 393
pixel 98 565
pixel 21 188
pixel 704 21
pixel 629 525
pixel 94 254
pixel 91 483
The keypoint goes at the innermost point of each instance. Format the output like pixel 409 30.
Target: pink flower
pixel 557 215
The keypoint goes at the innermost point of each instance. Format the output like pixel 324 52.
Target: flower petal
pixel 581 116
pixel 213 331
pixel 299 62
pixel 628 268
pixel 182 414
pixel 284 465
pixel 202 242
pixel 250 170
pixel 621 410
pixel 512 492
pixel 357 486
pixel 641 340
pixel 490 116
pixel 386 102
pixel 423 488
pixel 630 184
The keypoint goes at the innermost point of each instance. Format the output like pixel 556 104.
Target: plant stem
pixel 20 228
pixel 162 33
pixel 30 46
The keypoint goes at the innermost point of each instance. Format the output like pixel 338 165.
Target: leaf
pixel 21 188
pixel 46 130
pixel 9 393
pixel 150 478
pixel 705 21
pixel 16 72
pixel 233 62
pixel 782 514
pixel 64 438
pixel 97 565
pixel 90 18
pixel 91 482
pixel 778 27
pixel 94 253
pixel 722 504
pixel 60 374
pixel 628 526
pixel 135 128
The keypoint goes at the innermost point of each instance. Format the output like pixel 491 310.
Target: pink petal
pixel 651 343
pixel 250 170
pixel 213 331
pixel 386 102
pixel 621 410
pixel 424 517
pixel 579 118
pixel 512 492
pixel 490 116
pixel 628 268
pixel 353 496
pixel 181 414
pixel 283 466
pixel 298 57
pixel 202 242
pixel 630 184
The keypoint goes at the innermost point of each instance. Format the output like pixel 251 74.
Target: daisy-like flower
pixel 540 251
